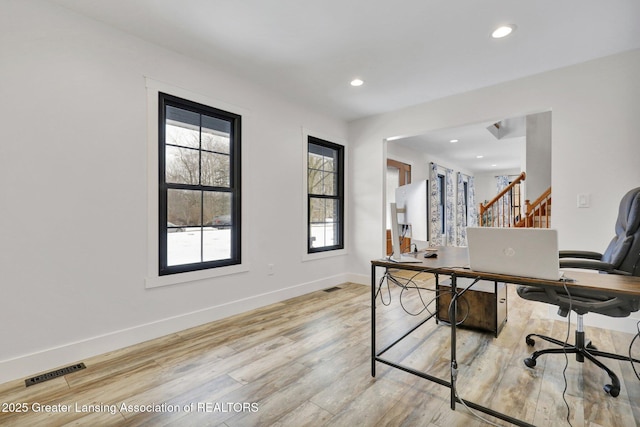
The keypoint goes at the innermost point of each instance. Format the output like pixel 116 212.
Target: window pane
pixel 215 125
pixel 330 184
pixel 315 179
pixel 216 243
pixel 214 139
pixel 324 226
pixel 184 207
pixel 216 169
pixel 330 159
pixel 182 165
pixel 216 239
pixel 183 134
pixel 183 247
pixel 183 242
pixel 217 209
pixel 315 161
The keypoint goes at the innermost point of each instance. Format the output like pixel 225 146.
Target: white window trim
pixel 305 208
pixel 153 279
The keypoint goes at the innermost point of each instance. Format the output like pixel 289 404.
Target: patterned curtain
pixel 435 233
pixel 450 209
pixel 468 216
pixel 461 230
pixel 472 215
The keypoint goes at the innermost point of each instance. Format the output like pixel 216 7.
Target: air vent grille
pixel 54 374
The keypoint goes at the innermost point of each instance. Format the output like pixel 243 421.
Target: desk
pixel 453 262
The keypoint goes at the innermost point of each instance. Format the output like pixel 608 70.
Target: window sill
pixel 193 276
pixel 322 255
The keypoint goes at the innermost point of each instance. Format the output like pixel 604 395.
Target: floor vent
pixel 54 374
pixel 335 288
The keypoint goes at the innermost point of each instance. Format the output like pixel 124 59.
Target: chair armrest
pixel 580 254
pixel 591 265
pixel 583 302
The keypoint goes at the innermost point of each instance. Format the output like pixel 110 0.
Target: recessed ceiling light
pixel 453 141
pixel 479 157
pixel 494 165
pixel 394 138
pixel 503 31
pixel 357 82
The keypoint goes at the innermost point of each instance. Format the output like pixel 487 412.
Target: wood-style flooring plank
pixel 306 362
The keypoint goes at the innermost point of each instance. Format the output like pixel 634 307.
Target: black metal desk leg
pixel 453 317
pixel 373 320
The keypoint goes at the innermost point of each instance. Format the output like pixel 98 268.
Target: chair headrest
pixel 629 213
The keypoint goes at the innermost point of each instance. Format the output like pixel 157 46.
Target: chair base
pixel 583 350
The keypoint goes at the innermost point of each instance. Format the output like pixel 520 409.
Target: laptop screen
pixel 525 252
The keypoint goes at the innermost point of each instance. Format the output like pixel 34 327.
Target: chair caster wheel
pixel 613 391
pixel 530 342
pixel 591 347
pixel 530 362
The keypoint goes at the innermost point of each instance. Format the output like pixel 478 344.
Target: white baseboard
pixel 29 365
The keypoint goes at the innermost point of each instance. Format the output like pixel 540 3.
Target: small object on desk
pixel 431 254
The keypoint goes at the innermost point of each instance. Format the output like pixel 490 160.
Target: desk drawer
pixel 483 307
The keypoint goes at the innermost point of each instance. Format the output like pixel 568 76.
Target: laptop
pixel 526 252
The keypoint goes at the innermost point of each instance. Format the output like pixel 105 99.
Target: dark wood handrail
pixel 518 180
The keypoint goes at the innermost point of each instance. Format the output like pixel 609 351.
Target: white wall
pixel 538 157
pixel 595 147
pixel 74 188
pixel 419 161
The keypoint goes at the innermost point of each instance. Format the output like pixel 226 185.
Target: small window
pixel 325 204
pixel 199 198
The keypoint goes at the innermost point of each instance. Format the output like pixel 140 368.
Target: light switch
pixel 583 200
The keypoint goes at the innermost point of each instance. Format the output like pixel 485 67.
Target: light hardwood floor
pixel 306 362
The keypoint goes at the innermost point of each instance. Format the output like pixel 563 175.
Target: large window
pixel 325 179
pixel 199 199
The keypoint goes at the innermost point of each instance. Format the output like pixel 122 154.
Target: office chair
pixel 622 256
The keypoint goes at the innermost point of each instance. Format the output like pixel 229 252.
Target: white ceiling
pixel 498 154
pixel 406 51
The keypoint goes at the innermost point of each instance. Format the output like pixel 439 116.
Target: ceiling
pixel 406 51
pixel 501 147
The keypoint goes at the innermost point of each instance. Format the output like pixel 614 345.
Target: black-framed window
pixel 199 186
pixel 325 190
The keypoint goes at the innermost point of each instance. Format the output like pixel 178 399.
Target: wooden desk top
pixel 453 260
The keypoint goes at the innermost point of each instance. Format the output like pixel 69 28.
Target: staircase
pixel 498 212
pixel 538 213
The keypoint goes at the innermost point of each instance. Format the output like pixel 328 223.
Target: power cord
pixel 630 346
pixel 409 285
pixel 454 365
pixel 566 356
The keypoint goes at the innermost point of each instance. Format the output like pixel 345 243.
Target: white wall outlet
pixel 584 200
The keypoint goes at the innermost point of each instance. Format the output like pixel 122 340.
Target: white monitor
pixel 395 238
pixel 412 202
